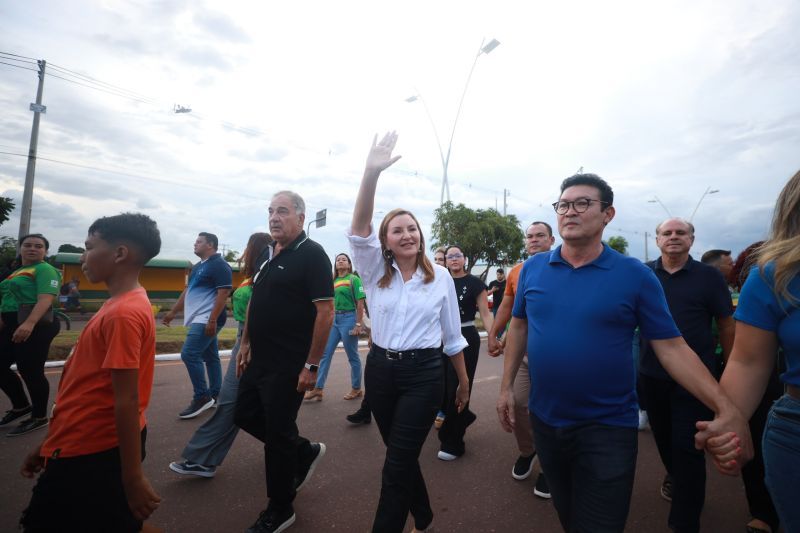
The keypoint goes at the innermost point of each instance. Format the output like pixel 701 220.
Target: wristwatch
pixel 311 368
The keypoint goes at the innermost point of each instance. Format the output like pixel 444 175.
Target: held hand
pixel 356 331
pixel 22 332
pixel 33 463
pixel 725 451
pixel 730 453
pixel 211 328
pixel 494 348
pixel 462 397
pixel 306 380
pixel 505 410
pixel 380 155
pixel 166 319
pixel 242 358
pixel 142 499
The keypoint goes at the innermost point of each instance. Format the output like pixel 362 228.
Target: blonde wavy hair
pixel 783 246
pixel 422 260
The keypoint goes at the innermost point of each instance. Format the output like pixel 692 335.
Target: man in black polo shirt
pixel 288 322
pixel 696 294
pixel 496 288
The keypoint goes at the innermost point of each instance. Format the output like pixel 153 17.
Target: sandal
pixel 353 394
pixel 313 394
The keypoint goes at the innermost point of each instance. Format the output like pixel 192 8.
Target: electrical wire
pixel 19 66
pixel 90 79
pixel 99 89
pixel 17 55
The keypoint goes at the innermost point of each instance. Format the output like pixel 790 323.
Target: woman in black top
pixel 471 293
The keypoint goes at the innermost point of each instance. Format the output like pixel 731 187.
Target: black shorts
pixel 81 494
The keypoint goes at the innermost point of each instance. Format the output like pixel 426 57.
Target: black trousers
pixel 29 357
pixel 266 407
pixel 673 413
pixel 452 432
pixel 404 396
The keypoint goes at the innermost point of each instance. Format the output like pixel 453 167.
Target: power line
pixel 19 66
pixel 17 55
pixel 100 82
pixel 96 88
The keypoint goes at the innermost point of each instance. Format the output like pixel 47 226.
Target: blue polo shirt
pixel 201 293
pixel 580 333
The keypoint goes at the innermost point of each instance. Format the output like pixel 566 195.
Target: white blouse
pixel 407 315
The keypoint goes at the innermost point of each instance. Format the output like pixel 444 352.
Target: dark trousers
pixel 452 432
pixel 404 396
pixel 673 413
pixel 590 469
pixel 266 407
pixel 758 498
pixel 29 357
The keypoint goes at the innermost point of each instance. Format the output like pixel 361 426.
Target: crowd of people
pixel 713 381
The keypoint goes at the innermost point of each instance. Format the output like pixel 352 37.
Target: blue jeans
pixel 342 324
pixel 198 351
pixel 781 449
pixel 590 469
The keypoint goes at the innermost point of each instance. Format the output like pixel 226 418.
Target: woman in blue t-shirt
pixel 768 317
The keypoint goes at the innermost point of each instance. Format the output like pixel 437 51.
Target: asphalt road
pixel 475 493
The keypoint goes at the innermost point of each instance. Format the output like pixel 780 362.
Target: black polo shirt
pixel 282 310
pixel 695 294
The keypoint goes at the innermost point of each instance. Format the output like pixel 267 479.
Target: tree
pixel 6 206
pixel 70 249
pixel 231 256
pixel 482 234
pixel 618 243
pixel 8 252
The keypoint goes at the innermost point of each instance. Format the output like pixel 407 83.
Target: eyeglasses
pixel 580 205
pixel 455 256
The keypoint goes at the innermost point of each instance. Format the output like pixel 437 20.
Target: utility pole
pixel 646 238
pixel 27 195
pixel 506 194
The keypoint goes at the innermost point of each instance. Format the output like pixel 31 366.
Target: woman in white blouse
pixel 414 314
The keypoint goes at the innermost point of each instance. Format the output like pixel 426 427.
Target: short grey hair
pixel 297 200
pixel 679 219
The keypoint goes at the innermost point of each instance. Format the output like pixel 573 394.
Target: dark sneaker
pixel 193 469
pixel 666 488
pixel 523 467
pixel 306 467
pixel 542 489
pixel 196 407
pixel 26 426
pixel 272 521
pixel 362 416
pixel 14 414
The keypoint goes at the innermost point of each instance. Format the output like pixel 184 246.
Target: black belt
pixel 395 355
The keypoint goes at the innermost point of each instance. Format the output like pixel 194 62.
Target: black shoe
pixel 196 407
pixel 523 467
pixel 272 521
pixel 13 414
pixel 666 488
pixel 306 466
pixel 542 489
pixel 26 426
pixel 362 416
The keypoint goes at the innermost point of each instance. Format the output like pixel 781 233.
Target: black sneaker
pixel 362 416
pixel 192 469
pixel 26 426
pixel 272 521
pixel 14 414
pixel 666 488
pixel 542 489
pixel 306 467
pixel 523 467
pixel 196 407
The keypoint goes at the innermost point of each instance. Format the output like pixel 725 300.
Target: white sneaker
pixel 644 422
pixel 444 456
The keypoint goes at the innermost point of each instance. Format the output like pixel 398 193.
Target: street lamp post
pixel 484 49
pixel 659 202
pixel 709 190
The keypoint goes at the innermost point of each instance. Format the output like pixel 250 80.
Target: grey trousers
pixel 211 442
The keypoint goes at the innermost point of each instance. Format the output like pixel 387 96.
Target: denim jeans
pixel 200 354
pixel 342 324
pixel 590 469
pixel 781 449
pixel 404 396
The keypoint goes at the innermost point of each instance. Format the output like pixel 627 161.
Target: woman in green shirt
pixel 27 327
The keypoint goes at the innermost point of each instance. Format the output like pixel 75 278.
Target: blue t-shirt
pixel 760 307
pixel 201 293
pixel 581 323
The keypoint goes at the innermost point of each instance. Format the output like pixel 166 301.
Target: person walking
pixel 209 445
pixel 414 316
pixel 349 305
pixel 27 328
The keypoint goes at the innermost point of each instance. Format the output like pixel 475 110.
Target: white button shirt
pixel 407 315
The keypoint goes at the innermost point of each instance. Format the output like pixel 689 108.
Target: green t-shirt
pixel 24 285
pixel 241 297
pixel 343 292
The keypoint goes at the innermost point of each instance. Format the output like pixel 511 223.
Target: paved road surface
pixel 473 494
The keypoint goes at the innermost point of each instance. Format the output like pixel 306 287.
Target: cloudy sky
pixel 663 99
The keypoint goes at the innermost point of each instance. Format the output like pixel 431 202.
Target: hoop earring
pixel 388 254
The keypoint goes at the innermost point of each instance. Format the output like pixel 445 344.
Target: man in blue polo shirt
pixel 576 309
pixel 203 302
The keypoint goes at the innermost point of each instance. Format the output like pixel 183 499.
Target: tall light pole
pixel 484 49
pixel 659 202
pixel 27 192
pixel 709 190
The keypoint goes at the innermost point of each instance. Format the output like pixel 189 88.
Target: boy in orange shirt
pixel 92 455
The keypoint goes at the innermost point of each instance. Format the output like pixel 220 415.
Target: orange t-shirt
pixel 122 335
pixel 511 281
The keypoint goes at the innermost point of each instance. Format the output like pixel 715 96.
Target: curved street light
pixel 484 49
pixel 709 190
pixel 659 202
